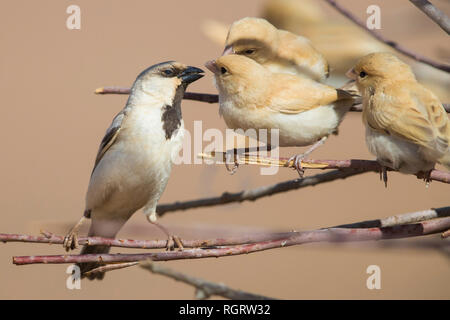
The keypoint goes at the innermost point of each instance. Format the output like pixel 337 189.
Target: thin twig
pixel 202 97
pixel 260 192
pixel 446 234
pixel 206 97
pixel 205 289
pixel 395 45
pixel 111 267
pixel 405 218
pixel 357 164
pixel 112 90
pixel 433 13
pixel 297 238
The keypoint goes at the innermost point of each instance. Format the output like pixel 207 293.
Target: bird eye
pixel 249 51
pixel 223 70
pixel 362 74
pixel 168 72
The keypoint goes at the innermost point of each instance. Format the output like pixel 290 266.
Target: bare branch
pixel 433 13
pixel 356 164
pixel 260 192
pixel 347 168
pixel 202 97
pixel 205 289
pixel 401 219
pixel 297 238
pixel 441 246
pixel 147 244
pixel 396 46
pixel 111 267
pixel 112 90
pixel 206 97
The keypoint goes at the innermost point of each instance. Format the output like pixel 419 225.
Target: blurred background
pixel 52 124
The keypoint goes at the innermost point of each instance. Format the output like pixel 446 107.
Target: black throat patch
pixel 171 115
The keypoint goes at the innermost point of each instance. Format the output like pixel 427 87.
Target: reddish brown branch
pixel 401 219
pixel 144 244
pixel 393 44
pixel 297 238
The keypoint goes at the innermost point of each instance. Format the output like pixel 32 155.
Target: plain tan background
pixel 52 124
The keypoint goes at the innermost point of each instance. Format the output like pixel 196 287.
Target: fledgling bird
pixel 134 160
pixel 306 112
pixel 407 128
pixel 278 50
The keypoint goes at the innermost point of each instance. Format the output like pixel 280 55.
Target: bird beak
pixel 190 74
pixel 228 50
pixel 211 65
pixel 351 74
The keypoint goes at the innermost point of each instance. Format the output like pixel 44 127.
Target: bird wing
pixel 291 95
pixel 110 136
pixel 413 114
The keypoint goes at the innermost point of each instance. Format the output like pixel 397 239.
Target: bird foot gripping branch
pixel 172 239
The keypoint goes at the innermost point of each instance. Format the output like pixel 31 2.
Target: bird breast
pixel 299 129
pixel 396 153
pixel 136 168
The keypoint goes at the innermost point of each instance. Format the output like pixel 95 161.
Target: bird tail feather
pixel 85 267
pixel 106 228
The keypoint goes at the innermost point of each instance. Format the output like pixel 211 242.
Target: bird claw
pixel 70 241
pixel 235 165
pixel 173 241
pixel 383 175
pixel 297 164
pixel 427 178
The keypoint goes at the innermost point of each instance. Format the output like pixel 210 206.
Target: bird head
pixel 163 80
pixel 254 38
pixel 238 76
pixel 381 67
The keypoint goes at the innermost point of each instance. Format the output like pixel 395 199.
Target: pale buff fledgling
pixel 407 128
pixel 134 160
pixel 304 111
pixel 278 50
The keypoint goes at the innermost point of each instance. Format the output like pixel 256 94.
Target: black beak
pixel 191 74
